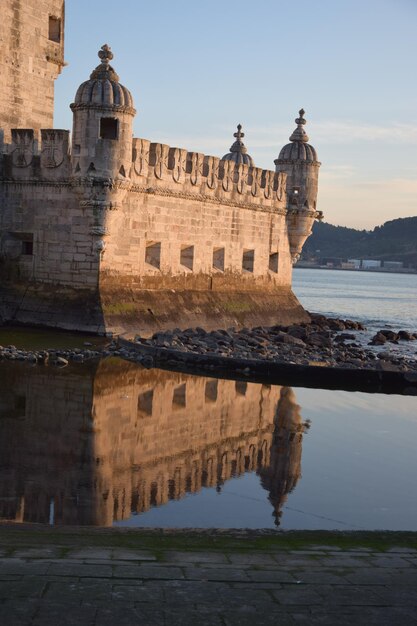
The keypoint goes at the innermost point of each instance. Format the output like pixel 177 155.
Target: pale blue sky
pixel 197 69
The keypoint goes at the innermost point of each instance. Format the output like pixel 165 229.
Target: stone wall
pixel 31 57
pixel 191 221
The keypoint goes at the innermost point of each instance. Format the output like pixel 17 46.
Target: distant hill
pixel 395 240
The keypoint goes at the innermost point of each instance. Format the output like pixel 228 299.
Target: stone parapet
pixel 164 170
pixel 35 157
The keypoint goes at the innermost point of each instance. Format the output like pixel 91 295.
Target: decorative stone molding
pixel 177 163
pixel 200 197
pixel 23 147
pixel 212 171
pixel 141 156
pixel 54 147
pixel 99 204
pixel 195 165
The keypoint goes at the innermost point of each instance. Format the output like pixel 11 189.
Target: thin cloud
pixel 270 139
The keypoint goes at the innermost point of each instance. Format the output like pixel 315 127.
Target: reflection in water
pixel 92 446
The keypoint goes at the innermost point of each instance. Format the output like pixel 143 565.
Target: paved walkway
pixel 53 582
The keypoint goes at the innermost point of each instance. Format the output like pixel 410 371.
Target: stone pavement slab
pixel 226 581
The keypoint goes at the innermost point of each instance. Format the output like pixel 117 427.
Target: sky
pixel 198 68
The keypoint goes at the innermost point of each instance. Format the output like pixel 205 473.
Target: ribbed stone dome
pixel 238 151
pixel 299 149
pixel 298 152
pixel 103 88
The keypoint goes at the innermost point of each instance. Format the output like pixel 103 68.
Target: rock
pixel 384 355
pixel 294 341
pixel 389 334
pixel 60 361
pixel 387 366
pixel 347 336
pixel 406 336
pixel 147 361
pixel 336 324
pixel 87 343
pixel 320 340
pixel 378 340
pixel 297 331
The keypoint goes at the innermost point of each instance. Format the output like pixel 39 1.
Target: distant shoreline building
pixel 104 232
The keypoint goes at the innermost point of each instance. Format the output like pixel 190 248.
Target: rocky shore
pixel 326 341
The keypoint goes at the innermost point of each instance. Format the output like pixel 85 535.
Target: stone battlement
pixel 158 167
pixel 155 169
pixel 33 156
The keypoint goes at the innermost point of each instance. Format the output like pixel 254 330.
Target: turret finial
pixel 300 134
pixel 239 134
pixel 105 54
pixel 105 70
pixel 238 145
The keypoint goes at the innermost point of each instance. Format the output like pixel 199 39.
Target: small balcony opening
pixel 109 128
pixel 273 262
pixel 54 32
pixel 187 257
pixel 153 254
pixel 218 259
pixel 248 260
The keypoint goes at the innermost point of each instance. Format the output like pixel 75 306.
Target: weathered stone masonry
pixel 143 234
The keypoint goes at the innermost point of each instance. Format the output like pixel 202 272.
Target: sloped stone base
pixel 131 311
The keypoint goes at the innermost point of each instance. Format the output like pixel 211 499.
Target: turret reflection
pixel 283 470
pixel 91 446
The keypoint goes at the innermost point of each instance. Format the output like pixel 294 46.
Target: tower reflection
pixel 92 445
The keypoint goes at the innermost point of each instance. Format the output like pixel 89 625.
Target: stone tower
pixel 102 124
pixel 31 58
pixel 299 161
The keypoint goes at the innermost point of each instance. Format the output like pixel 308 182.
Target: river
pixel 375 298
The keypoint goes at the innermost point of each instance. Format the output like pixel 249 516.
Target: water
pixel 377 299
pixel 116 444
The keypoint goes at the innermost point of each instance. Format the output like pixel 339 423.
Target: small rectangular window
pixel 54 33
pixel 27 247
pixel 248 260
pixel 153 254
pixel 218 259
pixel 273 262
pixel 145 402
pixel 108 128
pixel 179 398
pixel 187 257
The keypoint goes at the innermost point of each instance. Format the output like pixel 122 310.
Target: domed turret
pixel 298 160
pixel 238 151
pixel 299 149
pixel 102 126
